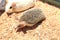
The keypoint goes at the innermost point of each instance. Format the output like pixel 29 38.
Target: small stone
pixel 31 17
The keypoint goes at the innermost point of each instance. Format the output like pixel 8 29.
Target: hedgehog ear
pixel 13 4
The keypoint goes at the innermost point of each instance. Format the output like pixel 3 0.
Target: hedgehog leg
pixel 21 25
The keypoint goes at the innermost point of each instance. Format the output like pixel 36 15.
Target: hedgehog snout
pixel 21 25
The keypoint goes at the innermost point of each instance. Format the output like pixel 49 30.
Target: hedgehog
pixel 18 5
pixel 30 17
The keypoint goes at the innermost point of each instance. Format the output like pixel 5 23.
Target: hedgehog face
pixel 18 5
pixel 9 6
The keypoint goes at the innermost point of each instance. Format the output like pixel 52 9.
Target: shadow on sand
pixel 1 12
pixel 29 28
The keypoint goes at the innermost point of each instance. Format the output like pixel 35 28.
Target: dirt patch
pixel 49 29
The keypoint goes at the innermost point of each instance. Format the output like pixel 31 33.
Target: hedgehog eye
pixel 10 7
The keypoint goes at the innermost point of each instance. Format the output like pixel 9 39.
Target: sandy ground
pixel 49 29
